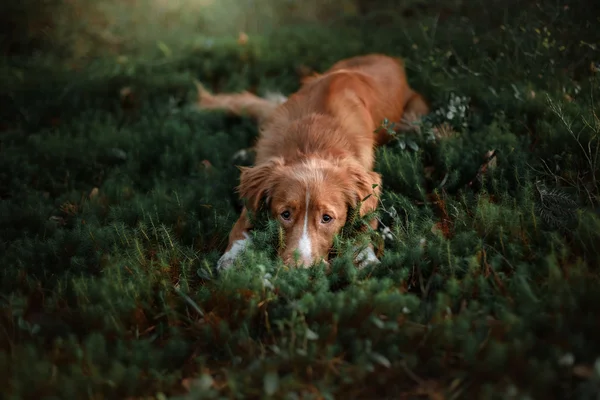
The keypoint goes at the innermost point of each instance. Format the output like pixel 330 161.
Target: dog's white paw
pixel 230 256
pixel 366 257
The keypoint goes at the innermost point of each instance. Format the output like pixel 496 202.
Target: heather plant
pixel 117 196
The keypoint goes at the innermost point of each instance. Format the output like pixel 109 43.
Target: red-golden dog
pixel 315 153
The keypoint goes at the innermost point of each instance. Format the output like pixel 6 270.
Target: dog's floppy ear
pixel 256 182
pixel 362 185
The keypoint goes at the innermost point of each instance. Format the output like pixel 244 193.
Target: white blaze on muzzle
pixel 305 245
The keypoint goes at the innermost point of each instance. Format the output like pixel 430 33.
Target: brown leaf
pixel 442 228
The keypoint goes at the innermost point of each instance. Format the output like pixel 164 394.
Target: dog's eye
pixel 286 215
pixel 326 219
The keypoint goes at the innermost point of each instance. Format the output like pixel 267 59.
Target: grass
pixel 117 197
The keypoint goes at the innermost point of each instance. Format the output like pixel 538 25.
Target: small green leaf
pixel 402 144
pixel 378 322
pixel 311 335
pixel 301 352
pixel 413 145
pixel 381 359
pixel 164 48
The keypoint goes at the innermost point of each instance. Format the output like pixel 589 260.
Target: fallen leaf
pixel 94 193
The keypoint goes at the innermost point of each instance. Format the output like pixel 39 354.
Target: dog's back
pixel 356 95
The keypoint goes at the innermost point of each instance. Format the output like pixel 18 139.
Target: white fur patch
pixel 366 257
pixel 304 245
pixel 229 257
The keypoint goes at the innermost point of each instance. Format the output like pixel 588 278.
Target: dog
pixel 316 152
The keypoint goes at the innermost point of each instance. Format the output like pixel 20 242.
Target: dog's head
pixel 310 199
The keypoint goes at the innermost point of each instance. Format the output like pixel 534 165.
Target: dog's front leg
pixel 366 256
pixel 239 239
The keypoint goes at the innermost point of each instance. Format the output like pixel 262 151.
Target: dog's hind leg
pixel 239 104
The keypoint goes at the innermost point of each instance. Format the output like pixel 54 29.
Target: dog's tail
pixel 239 104
pixel 416 106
